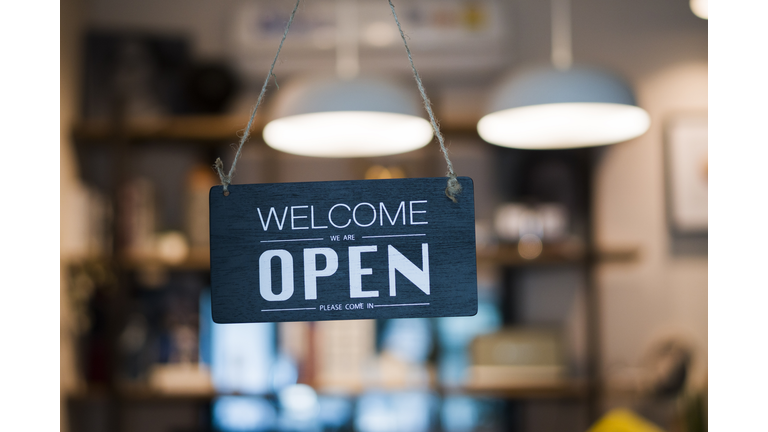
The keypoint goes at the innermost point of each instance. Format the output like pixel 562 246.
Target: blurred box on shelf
pixel 392 372
pixel 517 356
pixel 343 349
pixel 488 376
pixel 138 217
pixel 147 248
pixel 547 221
pixel 181 378
pixel 86 219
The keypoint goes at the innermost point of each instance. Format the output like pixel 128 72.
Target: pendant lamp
pixel 332 117
pixel 700 8
pixel 346 115
pixel 562 106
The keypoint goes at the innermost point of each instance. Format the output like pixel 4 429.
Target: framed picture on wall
pixel 687 172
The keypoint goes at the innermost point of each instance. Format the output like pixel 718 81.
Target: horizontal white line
pixel 280 310
pixel 403 304
pixel 288 240
pixel 395 235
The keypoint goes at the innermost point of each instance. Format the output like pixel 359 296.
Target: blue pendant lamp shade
pixel 332 117
pixel 549 108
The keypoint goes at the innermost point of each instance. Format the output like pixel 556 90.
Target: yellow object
pixel 623 420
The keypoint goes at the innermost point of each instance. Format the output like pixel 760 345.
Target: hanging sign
pixel 342 250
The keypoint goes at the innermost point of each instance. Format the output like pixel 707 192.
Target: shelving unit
pixel 212 132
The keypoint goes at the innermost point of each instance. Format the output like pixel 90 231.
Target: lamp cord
pixel 347 55
pixel 453 188
pixel 226 179
pixel 562 50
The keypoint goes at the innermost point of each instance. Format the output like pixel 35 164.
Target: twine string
pixel 453 188
pixel 226 179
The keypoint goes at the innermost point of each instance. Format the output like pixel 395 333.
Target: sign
pixel 342 250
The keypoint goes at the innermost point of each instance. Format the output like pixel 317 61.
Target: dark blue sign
pixel 342 250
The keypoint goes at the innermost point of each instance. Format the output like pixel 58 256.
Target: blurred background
pixel 592 260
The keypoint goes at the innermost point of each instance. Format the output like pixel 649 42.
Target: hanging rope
pixel 226 179
pixel 453 188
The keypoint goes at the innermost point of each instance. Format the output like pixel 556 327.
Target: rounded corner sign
pixel 342 250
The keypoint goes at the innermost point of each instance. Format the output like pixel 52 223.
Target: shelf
pixel 562 389
pixel 197 128
pixel 566 389
pixel 198 259
pixel 142 395
pixel 210 128
pixel 507 254
pixel 551 253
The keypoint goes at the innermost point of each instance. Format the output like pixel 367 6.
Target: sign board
pixel 342 250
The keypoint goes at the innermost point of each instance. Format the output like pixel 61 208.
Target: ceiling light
pixel 346 118
pixel 700 8
pixel 562 106
pixel 546 108
pixel 346 115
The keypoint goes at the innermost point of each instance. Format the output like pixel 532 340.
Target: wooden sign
pixel 342 250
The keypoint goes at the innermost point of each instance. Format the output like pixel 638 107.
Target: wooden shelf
pixel 193 128
pixel 503 254
pixel 202 128
pixel 143 395
pixel 552 253
pixel 199 259
pixel 563 389
pixel 507 254
pixel 566 389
